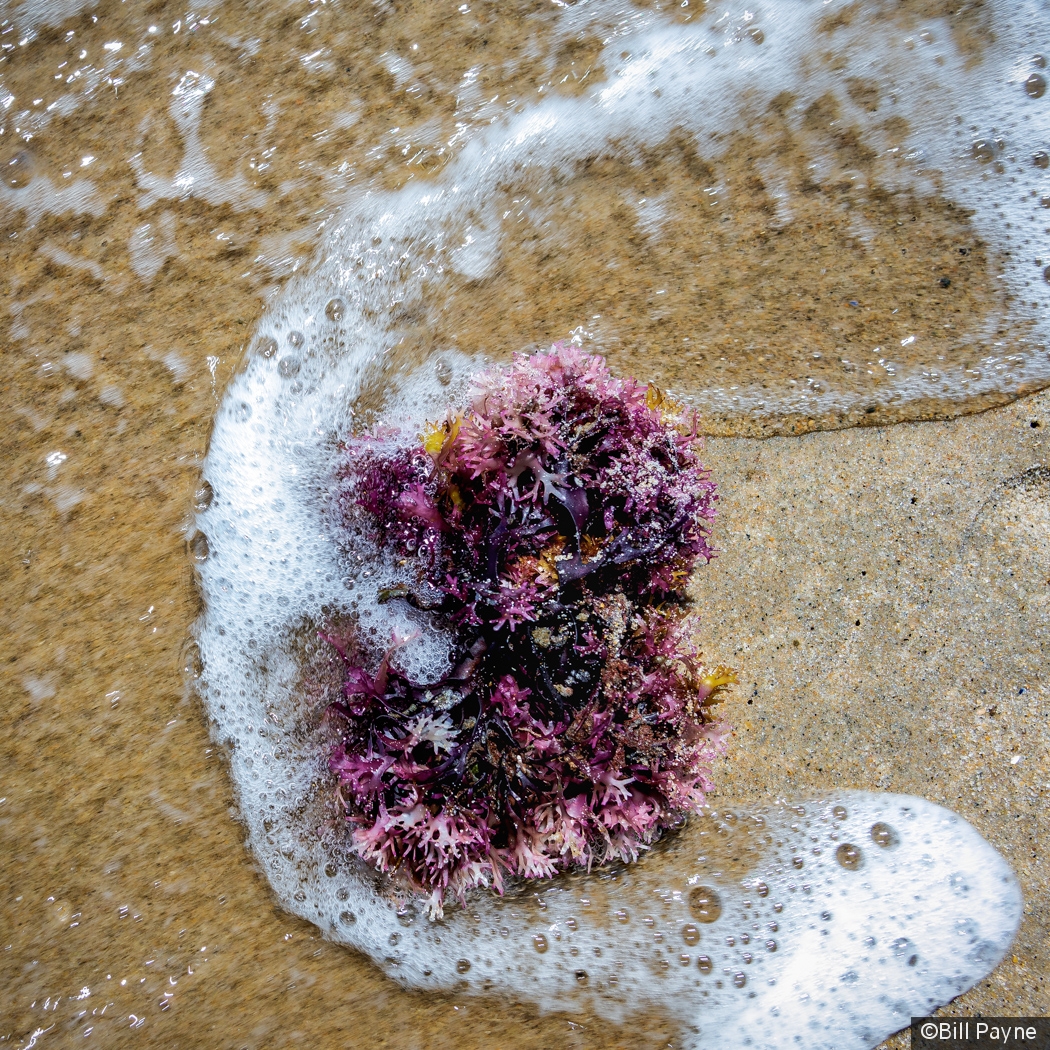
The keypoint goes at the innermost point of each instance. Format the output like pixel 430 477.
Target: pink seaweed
pixel 553 525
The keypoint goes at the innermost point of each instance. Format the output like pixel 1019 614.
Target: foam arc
pixel 972 134
pixel 857 949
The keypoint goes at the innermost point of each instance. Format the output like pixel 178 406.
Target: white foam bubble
pixel 150 246
pixel 196 176
pixel 912 927
pixel 79 365
pixel 30 16
pixel 66 260
pixel 40 196
pixel 707 79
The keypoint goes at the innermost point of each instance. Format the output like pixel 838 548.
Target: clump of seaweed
pixel 552 525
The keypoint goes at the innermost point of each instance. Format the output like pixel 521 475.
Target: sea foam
pixel 950 123
pixel 811 941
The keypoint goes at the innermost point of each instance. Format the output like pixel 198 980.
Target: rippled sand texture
pixel 146 218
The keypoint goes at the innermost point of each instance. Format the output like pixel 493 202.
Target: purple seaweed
pixel 553 526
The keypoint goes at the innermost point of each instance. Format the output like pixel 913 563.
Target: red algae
pixel 551 526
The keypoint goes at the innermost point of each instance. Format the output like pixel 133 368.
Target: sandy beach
pixel 883 590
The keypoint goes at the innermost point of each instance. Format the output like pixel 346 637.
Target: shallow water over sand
pixel 794 217
pixel 158 197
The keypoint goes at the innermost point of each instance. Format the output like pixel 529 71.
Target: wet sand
pixel 883 591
